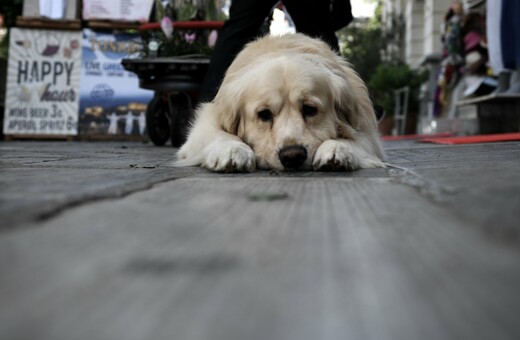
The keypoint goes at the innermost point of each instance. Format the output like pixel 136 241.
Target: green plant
pixel 180 42
pixel 177 44
pixel 4 43
pixel 376 54
pixel 361 45
pixel 388 78
pixel 10 9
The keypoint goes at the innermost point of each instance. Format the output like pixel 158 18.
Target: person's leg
pixel 510 28
pixel 314 18
pixel 245 19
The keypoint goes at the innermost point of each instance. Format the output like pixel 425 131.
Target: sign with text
pixel 53 9
pixel 111 102
pixel 42 94
pixel 128 10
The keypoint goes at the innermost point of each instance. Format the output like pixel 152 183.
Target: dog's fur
pixel 286 102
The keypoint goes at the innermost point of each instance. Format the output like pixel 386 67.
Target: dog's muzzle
pixel 293 156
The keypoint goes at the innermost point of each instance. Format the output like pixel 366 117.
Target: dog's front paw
pixel 230 156
pixel 336 155
pixel 333 155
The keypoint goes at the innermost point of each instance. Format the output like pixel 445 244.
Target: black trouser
pixel 311 17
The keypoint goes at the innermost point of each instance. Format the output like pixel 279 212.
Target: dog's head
pixel 285 105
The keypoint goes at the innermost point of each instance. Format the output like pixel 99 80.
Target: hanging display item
pixel 126 10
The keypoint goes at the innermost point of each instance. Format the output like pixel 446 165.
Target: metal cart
pixel 176 82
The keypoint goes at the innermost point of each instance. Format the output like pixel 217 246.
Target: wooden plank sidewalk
pixel 427 249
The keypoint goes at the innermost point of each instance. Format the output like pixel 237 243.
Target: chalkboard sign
pixel 43 82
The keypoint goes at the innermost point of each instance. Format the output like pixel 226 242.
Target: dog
pixel 286 103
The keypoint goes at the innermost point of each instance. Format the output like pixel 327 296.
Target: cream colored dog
pixel 286 102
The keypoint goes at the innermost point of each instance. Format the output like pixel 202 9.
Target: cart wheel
pixel 157 122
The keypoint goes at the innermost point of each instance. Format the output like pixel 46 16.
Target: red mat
pixel 417 137
pixel 502 137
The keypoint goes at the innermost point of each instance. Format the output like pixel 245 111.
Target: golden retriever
pixel 286 103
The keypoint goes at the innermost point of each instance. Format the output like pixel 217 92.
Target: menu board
pixel 43 79
pixel 111 102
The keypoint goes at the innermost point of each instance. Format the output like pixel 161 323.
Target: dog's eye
pixel 309 111
pixel 265 115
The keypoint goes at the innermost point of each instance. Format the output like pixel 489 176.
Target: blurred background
pixel 426 63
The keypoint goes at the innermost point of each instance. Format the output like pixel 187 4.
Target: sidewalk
pixel 108 241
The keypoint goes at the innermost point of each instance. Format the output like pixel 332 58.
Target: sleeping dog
pixel 286 103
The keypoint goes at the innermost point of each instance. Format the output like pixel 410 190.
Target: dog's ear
pixel 352 103
pixel 228 105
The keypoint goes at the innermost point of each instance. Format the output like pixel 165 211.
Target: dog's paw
pixel 334 155
pixel 230 156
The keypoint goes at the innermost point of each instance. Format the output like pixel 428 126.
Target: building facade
pixel 421 22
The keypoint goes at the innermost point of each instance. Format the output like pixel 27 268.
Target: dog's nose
pixel 292 156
